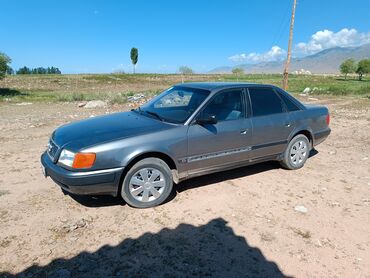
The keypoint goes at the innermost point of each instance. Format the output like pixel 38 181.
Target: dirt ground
pixel 239 223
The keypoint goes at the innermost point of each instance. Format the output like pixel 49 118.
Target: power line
pixel 284 23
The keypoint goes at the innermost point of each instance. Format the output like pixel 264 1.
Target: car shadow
pixel 232 174
pixel 226 175
pixel 107 201
pixel 313 152
pixel 212 250
pixel 96 201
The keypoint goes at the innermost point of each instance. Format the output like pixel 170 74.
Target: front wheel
pixel 147 184
pixel 296 153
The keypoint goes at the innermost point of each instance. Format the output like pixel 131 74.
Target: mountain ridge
pixel 325 61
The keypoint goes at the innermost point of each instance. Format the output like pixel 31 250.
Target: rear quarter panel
pixel 312 119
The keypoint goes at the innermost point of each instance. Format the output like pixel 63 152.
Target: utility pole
pixel 286 69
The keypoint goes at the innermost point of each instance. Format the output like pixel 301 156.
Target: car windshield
pixel 174 105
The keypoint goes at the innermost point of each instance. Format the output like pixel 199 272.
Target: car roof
pixel 211 86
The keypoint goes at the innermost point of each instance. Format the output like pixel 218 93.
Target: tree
pixel 348 66
pixel 24 70
pixel 56 70
pixel 363 68
pixel 237 71
pixel 41 70
pixel 9 71
pixel 134 54
pixel 4 61
pixel 185 70
pixel 53 70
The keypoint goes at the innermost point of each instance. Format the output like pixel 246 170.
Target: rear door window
pixel 290 105
pixel 265 101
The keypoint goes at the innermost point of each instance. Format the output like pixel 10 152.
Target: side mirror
pixel 207 121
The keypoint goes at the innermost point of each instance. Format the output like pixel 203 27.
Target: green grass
pixel 116 88
pixel 326 85
pixel 50 96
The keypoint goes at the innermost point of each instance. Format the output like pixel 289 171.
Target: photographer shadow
pixel 212 250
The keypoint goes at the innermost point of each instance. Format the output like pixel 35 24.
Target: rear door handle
pixel 287 124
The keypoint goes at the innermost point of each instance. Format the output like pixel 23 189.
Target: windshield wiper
pixel 138 109
pixel 153 114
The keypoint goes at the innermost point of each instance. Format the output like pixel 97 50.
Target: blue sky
pixel 96 36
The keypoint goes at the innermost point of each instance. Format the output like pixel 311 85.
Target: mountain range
pixel 325 61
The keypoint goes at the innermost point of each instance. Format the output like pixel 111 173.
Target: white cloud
pixel 319 41
pixel 327 39
pixel 274 54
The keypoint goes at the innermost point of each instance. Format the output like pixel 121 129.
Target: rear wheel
pixel 147 184
pixel 296 152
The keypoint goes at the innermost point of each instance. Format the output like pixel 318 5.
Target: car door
pixel 271 123
pixel 212 146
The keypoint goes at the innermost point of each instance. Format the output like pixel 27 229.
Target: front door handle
pixel 244 131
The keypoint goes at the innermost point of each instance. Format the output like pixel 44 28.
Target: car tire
pixel 296 153
pixel 147 184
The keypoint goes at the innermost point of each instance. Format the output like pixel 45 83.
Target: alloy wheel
pixel 298 153
pixel 147 184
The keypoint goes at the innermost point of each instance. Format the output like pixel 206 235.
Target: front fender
pixel 172 143
pixel 145 151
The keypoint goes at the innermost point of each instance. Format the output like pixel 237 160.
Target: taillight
pixel 328 119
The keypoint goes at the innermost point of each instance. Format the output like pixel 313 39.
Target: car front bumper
pixel 83 183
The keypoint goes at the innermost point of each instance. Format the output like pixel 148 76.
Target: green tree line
pixel 5 68
pixel 39 70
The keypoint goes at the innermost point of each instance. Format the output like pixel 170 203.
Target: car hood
pixel 78 135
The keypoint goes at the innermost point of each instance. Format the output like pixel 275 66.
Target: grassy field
pixel 116 88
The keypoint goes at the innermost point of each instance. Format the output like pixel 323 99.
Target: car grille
pixel 52 149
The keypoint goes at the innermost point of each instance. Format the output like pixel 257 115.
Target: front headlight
pixel 66 157
pixel 77 160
